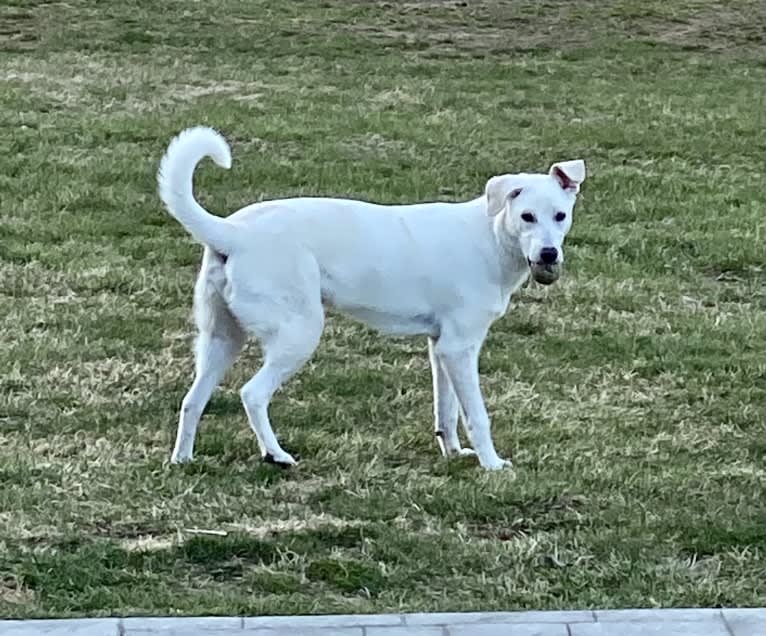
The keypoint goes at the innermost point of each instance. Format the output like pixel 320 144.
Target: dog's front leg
pixel 445 408
pixel 462 367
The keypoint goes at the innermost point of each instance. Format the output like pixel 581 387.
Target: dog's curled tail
pixel 175 185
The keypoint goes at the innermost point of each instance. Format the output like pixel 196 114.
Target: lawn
pixel 630 394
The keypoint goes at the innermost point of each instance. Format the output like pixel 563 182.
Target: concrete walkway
pixel 669 622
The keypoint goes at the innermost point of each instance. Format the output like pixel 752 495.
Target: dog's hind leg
pixel 282 306
pixel 219 341
pixel 285 352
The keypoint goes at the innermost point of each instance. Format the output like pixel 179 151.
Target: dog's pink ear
pixel 499 190
pixel 570 174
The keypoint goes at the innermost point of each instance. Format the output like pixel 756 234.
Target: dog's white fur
pixel 442 270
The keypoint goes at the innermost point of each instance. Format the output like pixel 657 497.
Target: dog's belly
pixel 393 324
pixel 390 305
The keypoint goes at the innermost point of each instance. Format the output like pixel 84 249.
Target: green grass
pixel 630 394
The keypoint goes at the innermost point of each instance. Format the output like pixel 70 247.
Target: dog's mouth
pixel 545 273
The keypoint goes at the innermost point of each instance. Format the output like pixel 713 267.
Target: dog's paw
pixel 179 458
pixel 450 447
pixel 461 452
pixel 280 458
pixel 497 463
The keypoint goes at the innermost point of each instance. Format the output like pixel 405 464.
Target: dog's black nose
pixel 548 255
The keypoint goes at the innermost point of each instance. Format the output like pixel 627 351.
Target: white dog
pixel 442 270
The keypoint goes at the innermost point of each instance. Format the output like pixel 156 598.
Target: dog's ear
pixel 499 190
pixel 570 174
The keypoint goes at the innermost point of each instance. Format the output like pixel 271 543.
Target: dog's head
pixel 537 210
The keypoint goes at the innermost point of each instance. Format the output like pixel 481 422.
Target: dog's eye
pixel 528 217
pixel 560 216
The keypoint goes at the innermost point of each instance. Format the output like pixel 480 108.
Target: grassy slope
pixel 630 394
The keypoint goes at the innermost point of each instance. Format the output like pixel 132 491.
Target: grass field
pixel 630 395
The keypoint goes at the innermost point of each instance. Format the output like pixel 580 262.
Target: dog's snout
pixel 549 255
